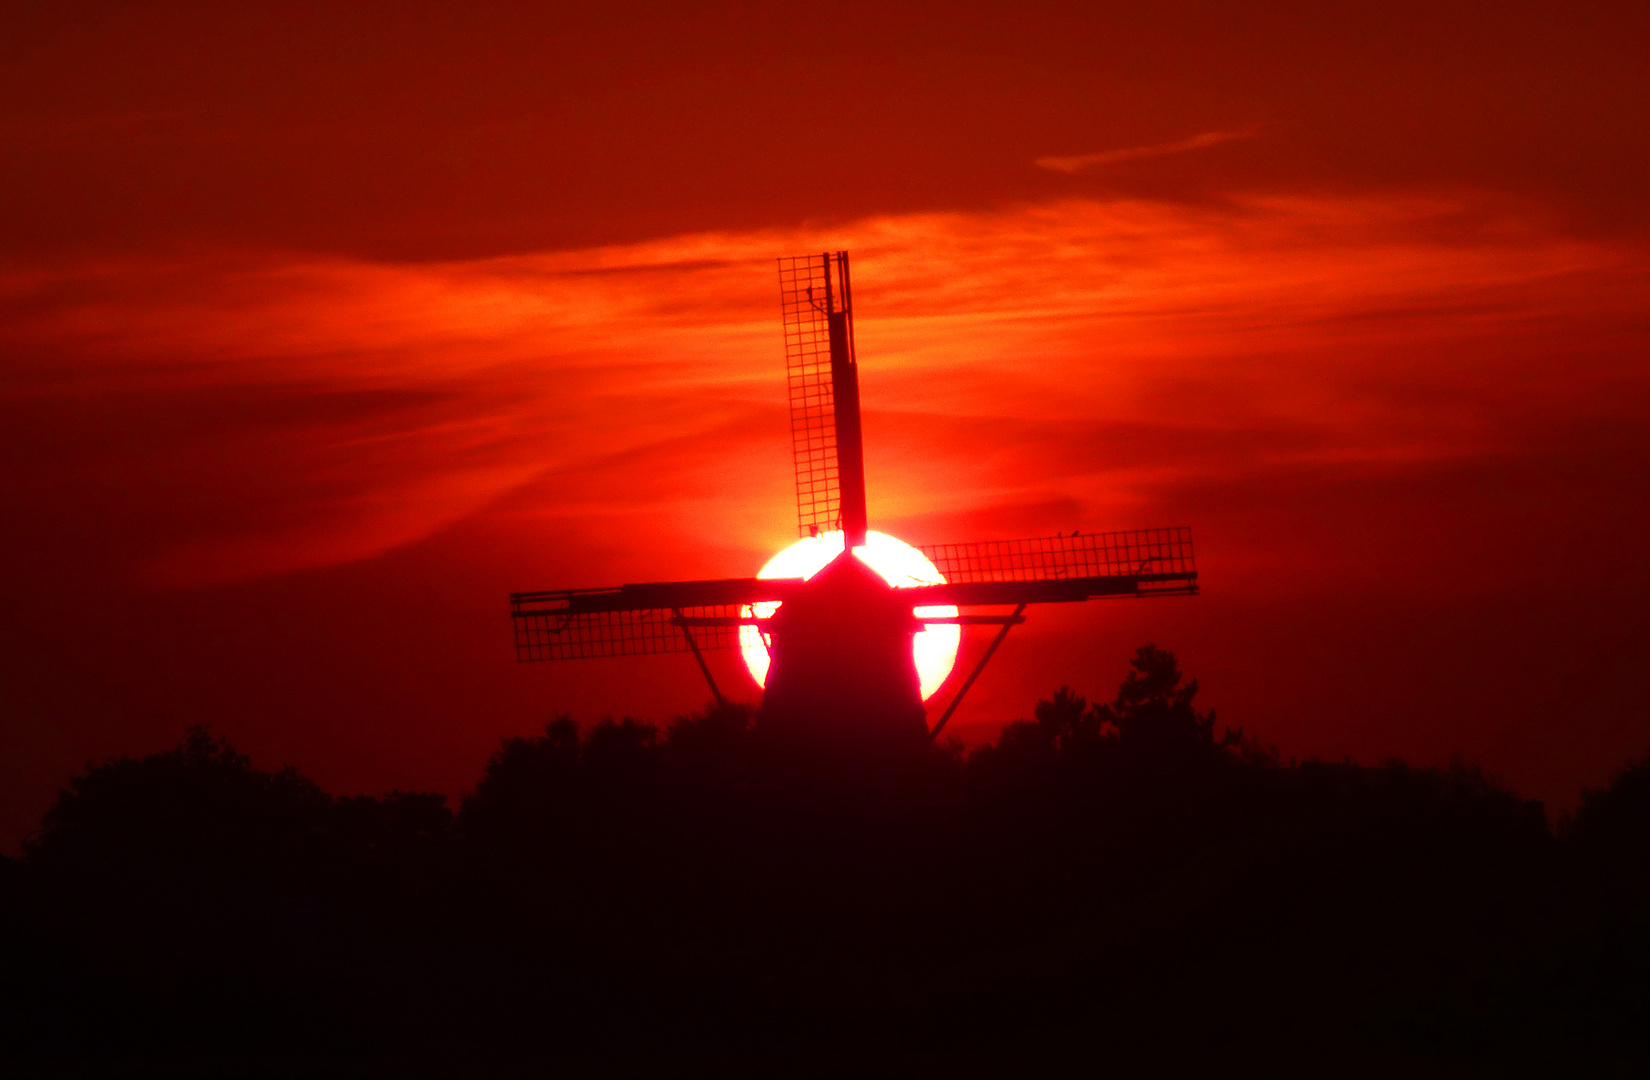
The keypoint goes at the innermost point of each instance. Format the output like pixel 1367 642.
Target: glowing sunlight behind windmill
pixel 901 565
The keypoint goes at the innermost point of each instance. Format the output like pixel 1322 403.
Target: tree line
pixel 1117 882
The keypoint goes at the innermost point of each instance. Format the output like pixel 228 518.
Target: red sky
pixel 324 331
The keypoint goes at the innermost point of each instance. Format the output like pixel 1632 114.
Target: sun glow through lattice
pixel 900 564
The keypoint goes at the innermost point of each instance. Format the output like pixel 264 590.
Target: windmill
pixel 839 642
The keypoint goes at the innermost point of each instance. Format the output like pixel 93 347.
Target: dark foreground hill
pixel 1108 887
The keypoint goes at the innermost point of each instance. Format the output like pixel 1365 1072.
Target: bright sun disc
pixel 900 564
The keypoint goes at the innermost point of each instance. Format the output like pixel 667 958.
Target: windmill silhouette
pixel 839 642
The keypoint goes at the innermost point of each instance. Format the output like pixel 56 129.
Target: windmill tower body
pixel 841 670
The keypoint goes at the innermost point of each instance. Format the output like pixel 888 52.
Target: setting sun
pixel 900 564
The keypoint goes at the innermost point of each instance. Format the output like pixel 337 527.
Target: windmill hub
pixel 839 644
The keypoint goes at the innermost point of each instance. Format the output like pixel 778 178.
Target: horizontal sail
pixel 1157 556
pixel 561 635
pixel 656 617
pixel 1053 590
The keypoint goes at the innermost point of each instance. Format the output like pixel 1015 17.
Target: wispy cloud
pixel 293 412
pixel 1083 162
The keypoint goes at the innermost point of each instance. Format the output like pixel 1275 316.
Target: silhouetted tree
pixel 1609 837
pixel 1153 710
pixel 1068 721
pixel 527 780
pixel 197 809
pixel 711 738
pixel 1617 818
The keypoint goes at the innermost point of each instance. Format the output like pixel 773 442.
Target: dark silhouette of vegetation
pixel 1124 884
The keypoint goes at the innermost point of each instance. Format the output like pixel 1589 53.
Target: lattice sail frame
pixel 1164 554
pixel 804 285
pixel 553 635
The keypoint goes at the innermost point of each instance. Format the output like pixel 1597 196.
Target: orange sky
pixel 323 333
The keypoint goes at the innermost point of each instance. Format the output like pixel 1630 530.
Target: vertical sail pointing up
pixel 816 303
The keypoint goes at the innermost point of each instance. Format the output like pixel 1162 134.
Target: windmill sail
pixel 638 620
pixel 1158 561
pixel 547 635
pixel 822 377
